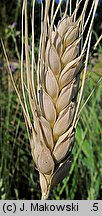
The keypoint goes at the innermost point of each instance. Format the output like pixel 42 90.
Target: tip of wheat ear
pixel 60 86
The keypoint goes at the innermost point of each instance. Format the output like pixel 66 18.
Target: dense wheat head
pixel 58 101
pixel 52 113
pixel 54 136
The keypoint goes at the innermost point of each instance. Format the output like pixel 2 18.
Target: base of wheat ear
pixel 53 108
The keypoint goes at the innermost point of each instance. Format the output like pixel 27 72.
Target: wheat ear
pixel 59 79
pixel 56 103
pixel 54 106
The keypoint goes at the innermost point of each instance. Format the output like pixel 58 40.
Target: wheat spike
pixel 58 76
pixel 54 107
pixel 59 90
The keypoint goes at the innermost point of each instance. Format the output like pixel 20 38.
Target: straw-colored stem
pixel 45 197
